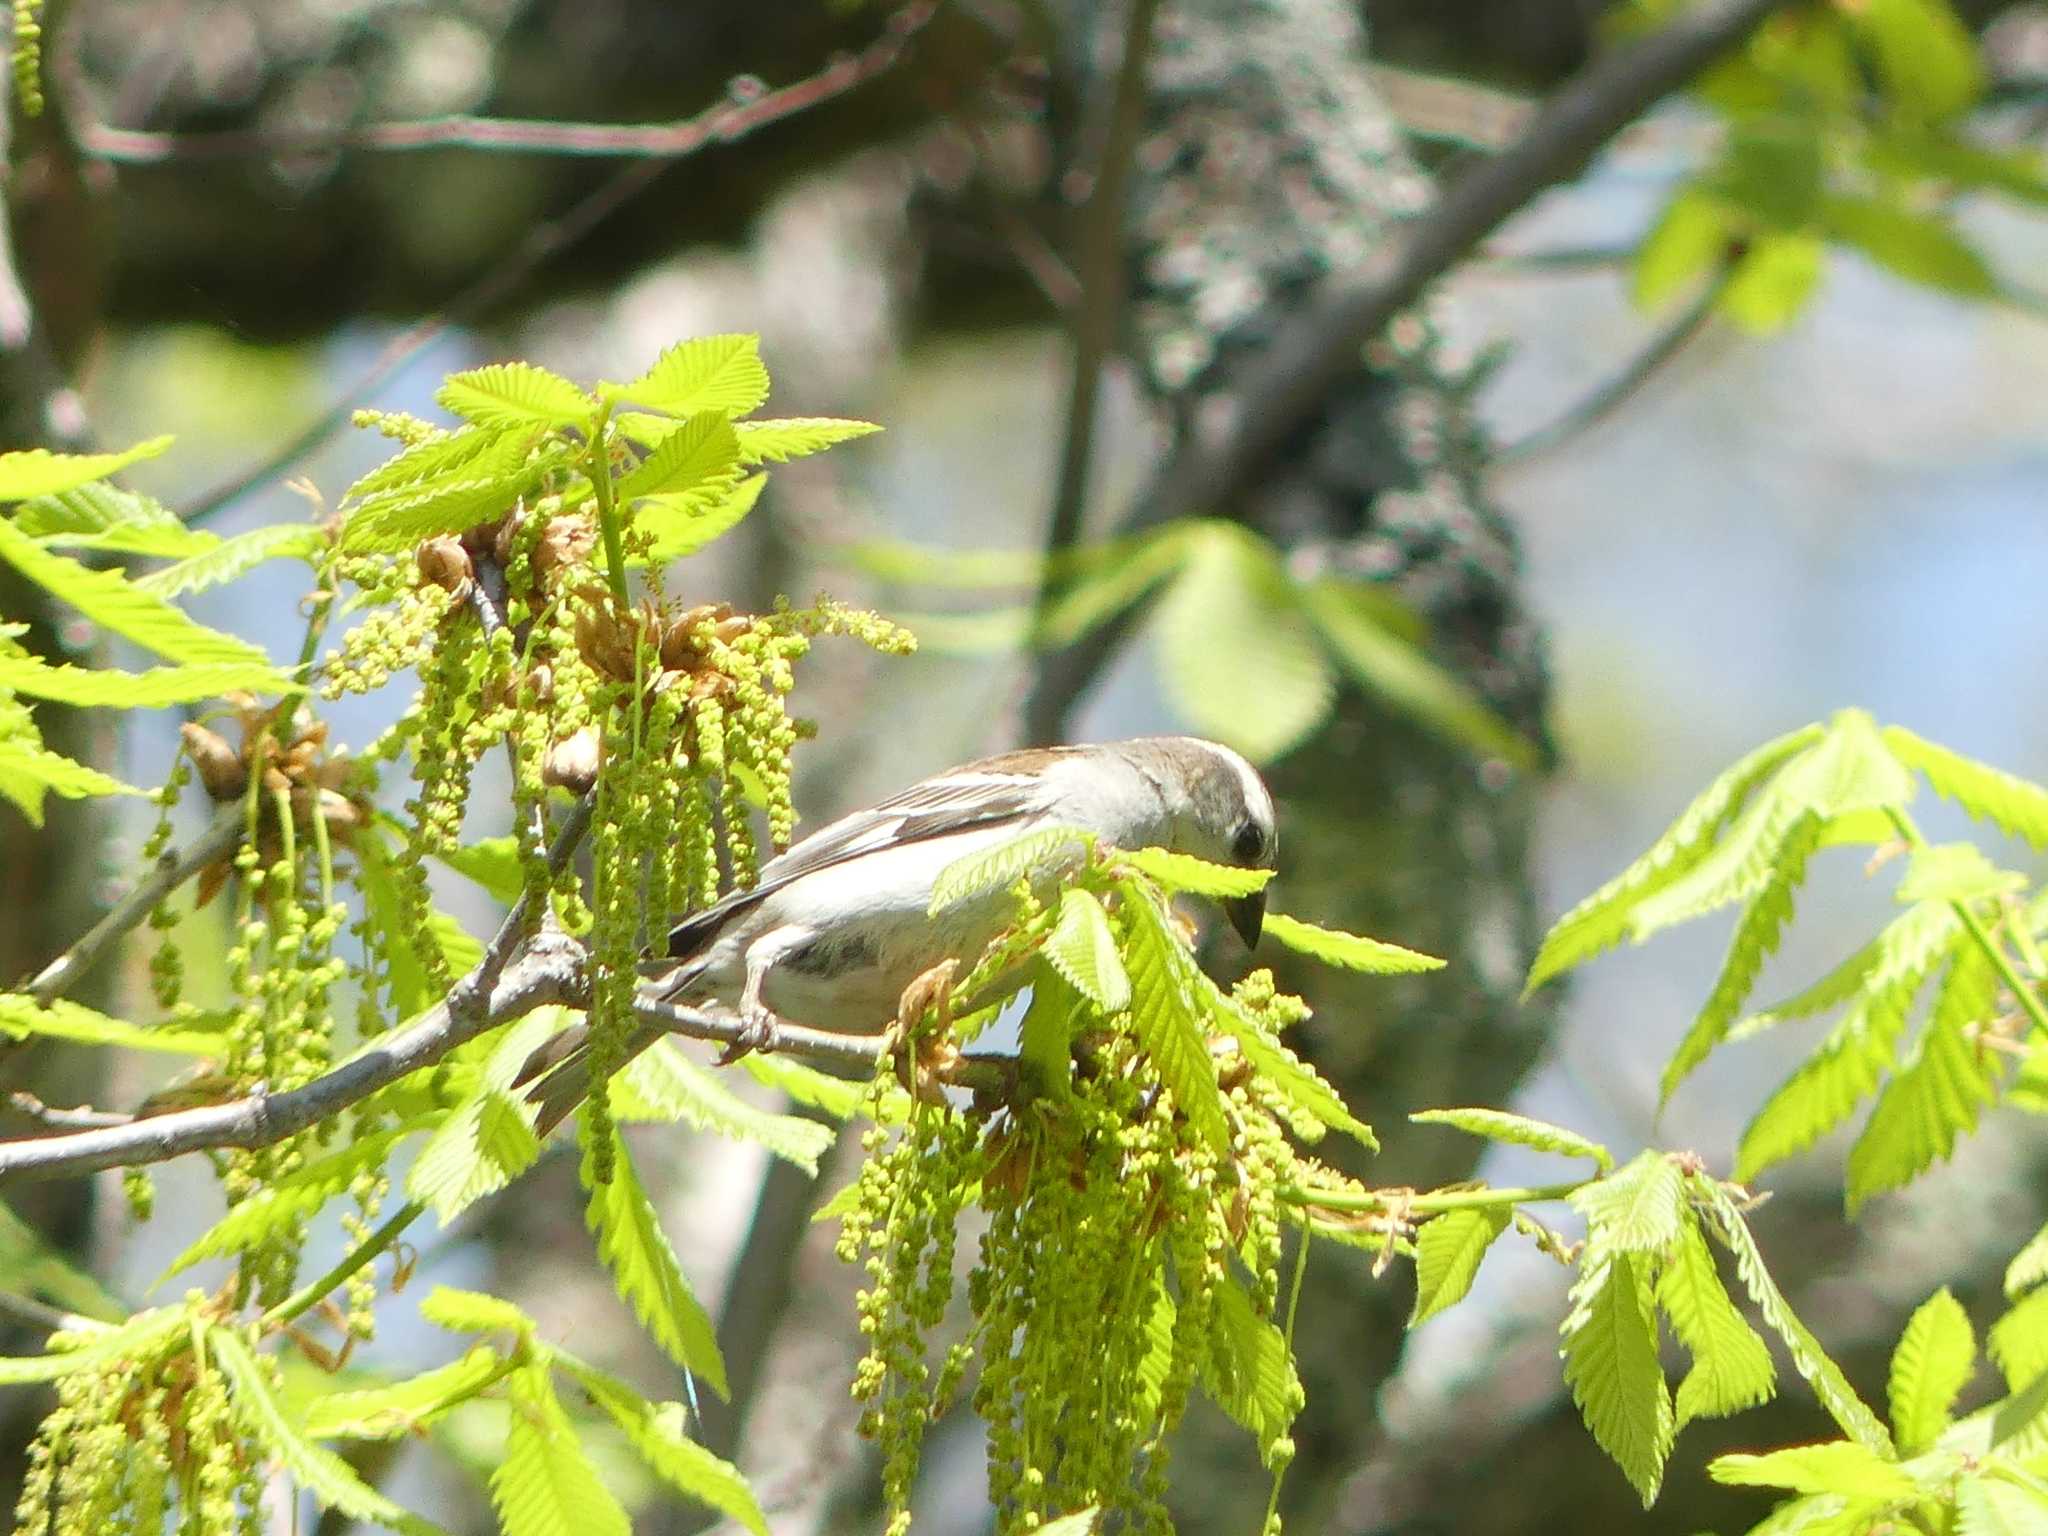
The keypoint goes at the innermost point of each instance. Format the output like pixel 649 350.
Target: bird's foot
pixel 758 1031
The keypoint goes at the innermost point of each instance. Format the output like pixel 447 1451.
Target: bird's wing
pixel 980 794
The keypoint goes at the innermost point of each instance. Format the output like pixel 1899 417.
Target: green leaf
pixel 795 437
pixel 461 1311
pixel 546 1485
pixel 1610 1364
pixel 2029 1266
pixel 1993 1506
pixel 330 1479
pixel 1082 948
pixel 1300 1083
pixel 99 687
pixel 1394 667
pixel 1182 872
pixel 1333 946
pixel 1731 1366
pixel 393 521
pixel 133 1339
pixel 470 454
pixel 506 395
pixel 1772 281
pixel 835 1096
pixel 657 1432
pixel 2018 1341
pixel 1937 1093
pixel 1691 237
pixel 1757 935
pixel 23 1018
pixel 1772 171
pixel 1237 656
pixel 404 1407
pixel 1602 920
pixel 29 771
pixel 1249 1373
pixel 31 1266
pixel 1520 1130
pixel 700 458
pixel 663 1084
pixel 1811 1361
pixel 1922 248
pixel 2016 806
pixel 1839 1466
pixel 710 373
pixel 1837 987
pixel 38 472
pixel 996 868
pixel 1638 1208
pixel 484 1144
pixel 1448 1249
pixel 232 558
pixel 681 525
pixel 1165 1019
pixel 2018 1425
pixel 115 603
pixel 1955 872
pixel 1933 1362
pixel 634 1248
pixel 96 511
pixel 1925 56
pixel 492 862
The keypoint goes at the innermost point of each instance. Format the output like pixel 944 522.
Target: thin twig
pixel 172 870
pixel 860 1054
pixel 39 1314
pixel 1282 387
pixel 82 1118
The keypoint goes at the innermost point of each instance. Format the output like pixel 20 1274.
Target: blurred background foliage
pixel 1742 422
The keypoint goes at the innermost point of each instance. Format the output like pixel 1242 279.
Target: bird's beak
pixel 1247 915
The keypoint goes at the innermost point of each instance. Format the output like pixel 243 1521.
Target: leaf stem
pixel 2027 998
pixel 307 1297
pixel 1432 1204
pixel 600 472
pixel 1287 1334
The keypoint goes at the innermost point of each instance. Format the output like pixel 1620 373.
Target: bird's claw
pixel 756 1033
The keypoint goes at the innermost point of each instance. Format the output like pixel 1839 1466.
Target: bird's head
pixel 1226 817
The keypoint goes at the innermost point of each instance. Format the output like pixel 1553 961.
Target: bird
pixel 836 928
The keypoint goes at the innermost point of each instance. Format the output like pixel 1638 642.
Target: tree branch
pixel 1280 390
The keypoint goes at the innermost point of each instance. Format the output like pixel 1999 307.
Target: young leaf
pixel 1932 1363
pixel 637 1252
pixel 1772 281
pixel 1955 872
pixel 133 1339
pixel 1808 1358
pixel 1938 1093
pixel 1994 1506
pixel 1110 580
pixel 1164 1018
pixel 1638 1208
pixel 2016 806
pixel 115 603
pixel 1837 987
pixel 1448 1249
pixel 1333 946
pixel 795 437
pixel 23 1018
pixel 2018 1341
pixel 1610 1364
pixel 835 1096
pixel 709 373
pixel 1602 919
pixel 392 521
pixel 546 1486
pixel 95 687
pixel 483 1145
pixel 700 458
pixel 38 472
pixel 404 1407
pixel 1238 658
pixel 663 1084
pixel 1925 56
pixel 492 862
pixel 1082 948
pixel 1839 1466
pixel 504 395
pixel 1302 1085
pixel 235 557
pixel 470 454
pixel 1249 1373
pixel 330 1479
pixel 29 771
pixel 656 1432
pixel 2029 1266
pixel 1731 1366
pixel 1499 1125
pixel 461 1311
pixel 1692 236
pixel 1183 873
pixel 30 1265
pixel 681 525
pixel 995 868
pixel 94 511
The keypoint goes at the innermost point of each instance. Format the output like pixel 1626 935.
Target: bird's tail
pixel 557 1075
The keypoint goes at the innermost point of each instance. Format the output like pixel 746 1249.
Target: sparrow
pixel 836 928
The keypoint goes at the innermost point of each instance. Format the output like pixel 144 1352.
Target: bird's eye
pixel 1249 844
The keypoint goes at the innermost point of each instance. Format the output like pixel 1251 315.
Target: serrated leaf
pixel 2029 1267
pixel 795 437
pixel 657 1432
pixel 637 1252
pixel 461 1311
pixel 1933 1362
pixel 115 603
pixel 2016 1425
pixel 1044 852
pixel 1731 1366
pixel 709 373
pixel 1758 933
pixel 1392 665
pixel 546 1485
pixel 100 687
pixel 1354 952
pixel 1955 872
pixel 39 472
pixel 1610 1364
pixel 403 1407
pixel 322 1473
pixel 1184 873
pixel 1602 920
pixel 700 457
pixel 22 1017
pixel 1300 1083
pixel 663 1084
pixel 132 1339
pixel 1993 1506
pixel 1692 236
pixel 1166 1020
pixel 394 520
pixel 1939 1091
pixel 484 1144
pixel 1249 1373
pixel 29 771
pixel 31 1266
pixel 681 525
pixel 1448 1249
pixel 506 395
pixel 492 862
pixel 2014 805
pixel 165 540
pixel 232 558
pixel 471 453
pixel 1638 1208
pixel 96 510
pixel 835 1096
pixel 1839 1467
pixel 1520 1130
pixel 1811 1361
pixel 2018 1341
pixel 1236 654
pixel 1082 948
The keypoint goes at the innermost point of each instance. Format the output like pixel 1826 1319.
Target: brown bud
pixel 681 650
pixel 443 561
pixel 502 537
pixel 220 766
pixel 572 763
pixel 729 630
pixel 566 540
pixel 541 679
